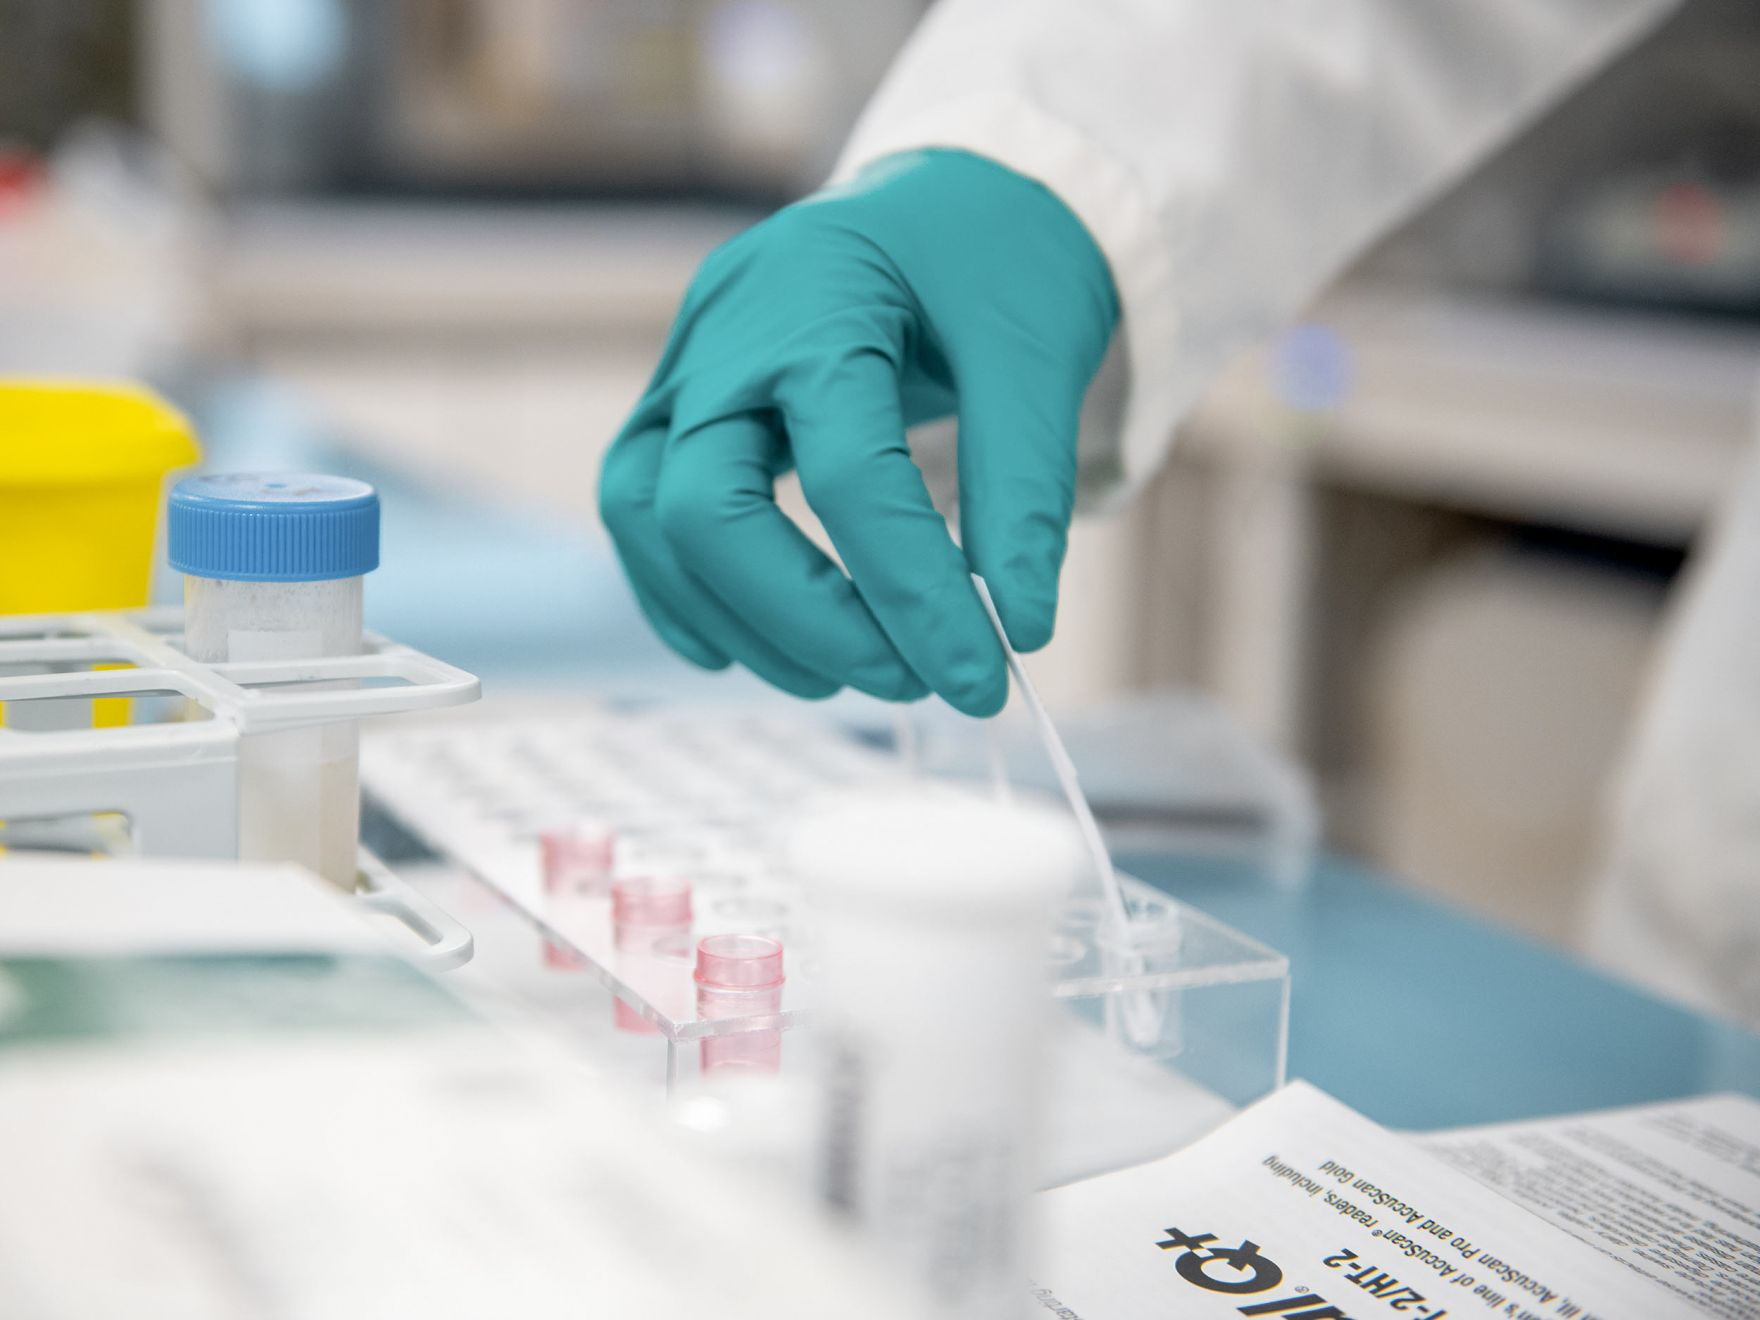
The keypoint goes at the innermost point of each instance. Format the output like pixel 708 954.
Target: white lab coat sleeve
pixel 1229 156
pixel 1678 903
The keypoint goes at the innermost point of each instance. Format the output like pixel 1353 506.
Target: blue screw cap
pixel 273 527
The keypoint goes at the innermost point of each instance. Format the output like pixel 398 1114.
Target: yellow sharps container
pixel 82 476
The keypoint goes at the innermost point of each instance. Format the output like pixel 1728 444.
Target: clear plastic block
pixel 1158 1035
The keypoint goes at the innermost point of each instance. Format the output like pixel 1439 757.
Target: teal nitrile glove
pixel 937 282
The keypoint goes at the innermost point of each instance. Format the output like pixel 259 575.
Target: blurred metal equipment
pixel 1643 188
pixel 62 62
pixel 1686 236
pixel 547 98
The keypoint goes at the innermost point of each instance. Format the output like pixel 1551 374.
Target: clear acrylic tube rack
pixel 700 793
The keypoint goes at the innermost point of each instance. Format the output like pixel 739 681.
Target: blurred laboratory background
pixel 1420 545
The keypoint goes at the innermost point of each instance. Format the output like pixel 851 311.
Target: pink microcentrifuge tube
pixel 646 912
pixel 576 862
pixel 577 858
pixel 740 976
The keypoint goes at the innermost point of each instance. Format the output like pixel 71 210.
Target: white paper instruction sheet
pixel 1302 1209
pixel 1673 1190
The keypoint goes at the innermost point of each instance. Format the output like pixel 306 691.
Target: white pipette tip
pixel 1142 1018
pixel 1064 768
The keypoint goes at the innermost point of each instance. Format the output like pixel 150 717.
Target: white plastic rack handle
pixel 255 696
pixel 446 943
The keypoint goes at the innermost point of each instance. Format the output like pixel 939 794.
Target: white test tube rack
pixel 176 781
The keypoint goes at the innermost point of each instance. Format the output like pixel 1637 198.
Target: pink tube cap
pixel 650 901
pixel 576 856
pixel 739 962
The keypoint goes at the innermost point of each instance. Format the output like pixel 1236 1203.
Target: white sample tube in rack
pixel 273 568
pixel 932 921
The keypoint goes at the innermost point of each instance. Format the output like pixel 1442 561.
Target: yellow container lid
pixel 73 433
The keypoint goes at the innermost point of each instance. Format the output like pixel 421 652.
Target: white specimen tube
pixel 273 571
pixel 299 797
pixel 932 921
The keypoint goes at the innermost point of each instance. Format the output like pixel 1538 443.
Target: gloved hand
pixel 936 282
